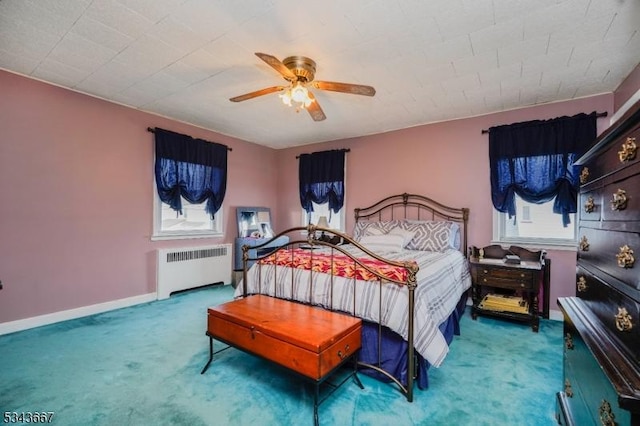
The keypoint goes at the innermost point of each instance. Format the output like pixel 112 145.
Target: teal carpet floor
pixel 141 366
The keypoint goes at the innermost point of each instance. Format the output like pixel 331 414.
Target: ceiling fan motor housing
pixel 302 67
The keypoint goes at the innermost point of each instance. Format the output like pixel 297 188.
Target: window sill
pixel 539 244
pixel 165 237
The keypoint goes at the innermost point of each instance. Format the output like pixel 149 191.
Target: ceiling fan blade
pixel 276 64
pixel 257 93
pixel 354 89
pixel 314 109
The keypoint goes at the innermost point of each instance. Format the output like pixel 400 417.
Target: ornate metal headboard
pixel 416 207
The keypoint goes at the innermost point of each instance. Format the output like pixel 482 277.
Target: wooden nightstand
pixel 505 290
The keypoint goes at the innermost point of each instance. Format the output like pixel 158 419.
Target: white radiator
pixel 182 269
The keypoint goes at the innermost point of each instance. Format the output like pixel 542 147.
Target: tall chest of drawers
pixel 602 323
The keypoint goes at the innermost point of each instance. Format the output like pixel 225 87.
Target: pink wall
pixel 447 161
pixel 628 88
pixel 76 178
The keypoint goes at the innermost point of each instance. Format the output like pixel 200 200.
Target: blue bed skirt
pixel 394 349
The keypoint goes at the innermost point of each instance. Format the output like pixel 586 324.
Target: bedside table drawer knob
pixel 484 271
pixel 521 275
pixel 523 285
pixel 484 280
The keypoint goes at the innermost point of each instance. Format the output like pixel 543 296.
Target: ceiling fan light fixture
pixel 299 71
pixel 286 97
pixel 299 94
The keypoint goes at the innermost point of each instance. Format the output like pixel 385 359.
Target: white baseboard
pixel 27 323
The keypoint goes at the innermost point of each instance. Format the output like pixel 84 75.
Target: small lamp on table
pixel 323 223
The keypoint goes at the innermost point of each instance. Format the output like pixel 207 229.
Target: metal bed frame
pixel 402 206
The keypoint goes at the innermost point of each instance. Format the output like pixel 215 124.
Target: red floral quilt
pixel 337 264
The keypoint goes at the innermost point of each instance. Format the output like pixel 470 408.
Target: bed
pixel 403 271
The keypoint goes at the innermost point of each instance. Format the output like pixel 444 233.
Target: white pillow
pixel 383 243
pixel 405 233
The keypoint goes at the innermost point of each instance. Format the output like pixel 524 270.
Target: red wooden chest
pixel 308 340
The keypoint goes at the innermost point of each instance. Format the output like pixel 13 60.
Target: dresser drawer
pixel 593 393
pixel 617 156
pixel 618 313
pixel 576 409
pixel 605 249
pixel 505 277
pixel 620 199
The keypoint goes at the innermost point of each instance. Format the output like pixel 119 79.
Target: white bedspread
pixel 442 279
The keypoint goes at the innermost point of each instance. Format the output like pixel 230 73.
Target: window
pixel 336 220
pixel 534 161
pixel 190 184
pixel 194 222
pixel 534 224
pixel 322 187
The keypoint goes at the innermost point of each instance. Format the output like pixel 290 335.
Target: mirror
pixel 254 222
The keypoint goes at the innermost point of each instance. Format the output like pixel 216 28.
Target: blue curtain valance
pixel 192 168
pixel 534 160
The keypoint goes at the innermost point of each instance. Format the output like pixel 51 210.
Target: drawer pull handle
pixel 485 271
pixel 619 201
pixel 568 342
pixel 625 257
pixel 522 285
pixel 484 280
pixel 567 389
pixel 589 205
pixel 623 320
pixel 584 243
pixel 628 151
pixel 343 355
pixel 607 418
pixel 584 175
pixel 581 285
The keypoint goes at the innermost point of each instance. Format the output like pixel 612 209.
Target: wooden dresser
pixel 602 323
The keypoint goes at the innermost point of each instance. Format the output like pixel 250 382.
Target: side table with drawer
pixel 507 290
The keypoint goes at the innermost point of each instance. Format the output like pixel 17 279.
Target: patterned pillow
pixel 432 235
pixel 360 230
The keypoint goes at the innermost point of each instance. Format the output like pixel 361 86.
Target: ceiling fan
pixel 300 71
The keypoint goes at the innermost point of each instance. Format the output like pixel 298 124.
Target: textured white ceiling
pixel 429 60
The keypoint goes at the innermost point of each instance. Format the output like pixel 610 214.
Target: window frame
pixel 303 217
pixel 159 235
pixel 499 235
pixel 343 219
